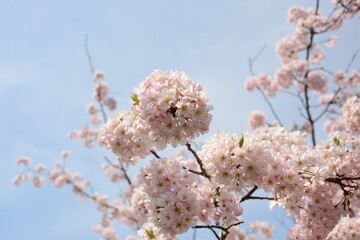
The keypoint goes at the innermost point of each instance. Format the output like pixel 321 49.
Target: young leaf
pixel 135 98
pixel 241 142
pixel 150 233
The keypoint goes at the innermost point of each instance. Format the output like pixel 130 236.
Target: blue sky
pixel 45 84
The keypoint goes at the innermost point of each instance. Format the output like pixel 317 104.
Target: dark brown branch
pixel 261 198
pixel 198 160
pixel 155 154
pixel 248 195
pixel 306 87
pixel 193 171
pixel 211 228
pixel 347 189
pixel 309 116
pixel 340 179
pixel 225 230
pixel 125 173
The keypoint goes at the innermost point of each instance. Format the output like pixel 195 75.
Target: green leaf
pixel 241 142
pixel 337 141
pixel 135 98
pixel 218 193
pixel 150 233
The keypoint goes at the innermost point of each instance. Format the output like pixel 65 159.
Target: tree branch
pixel 155 154
pixel 328 105
pixel 92 71
pixel 225 230
pixel 198 160
pixel 120 168
pixel 248 195
pixel 270 106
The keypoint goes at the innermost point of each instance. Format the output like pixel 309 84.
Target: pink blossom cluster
pixel 346 229
pixel 326 99
pixel 351 7
pixel 308 21
pixel 343 81
pixel 101 91
pixel 295 69
pixel 89 136
pixel 168 108
pixel 256 119
pixel 332 41
pixel 173 203
pixel 259 161
pixel 98 75
pixel 113 212
pixel 172 199
pixel 264 229
pixel 173 107
pixel 333 125
pixel 264 82
pixel 151 232
pixel 293 173
pixel 317 82
pixel 35 177
pixel 59 176
pixel 319 186
pixel 113 172
pixel 306 18
pixel 351 113
pixel 108 231
pixel 176 200
pixel 323 202
pixel 318 215
pixel 122 135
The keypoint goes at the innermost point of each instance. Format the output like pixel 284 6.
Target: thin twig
pixel 260 198
pixel 211 228
pixel 306 87
pixel 247 196
pixel 155 154
pixel 120 168
pixel 198 160
pixel 290 93
pixel 328 105
pixel 92 71
pixel 224 230
pixel 251 63
pixel 88 55
pixel 270 105
pixel 351 61
pixel 309 116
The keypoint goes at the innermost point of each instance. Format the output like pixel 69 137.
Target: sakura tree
pixel 318 184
